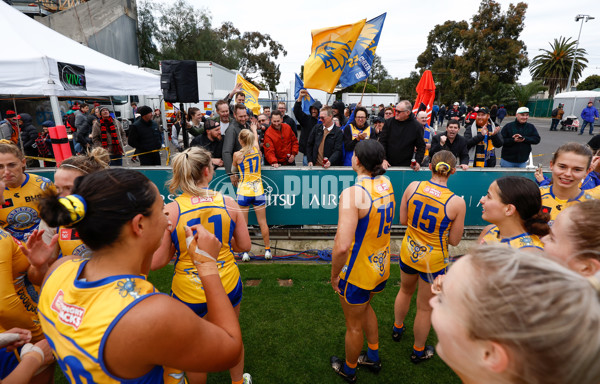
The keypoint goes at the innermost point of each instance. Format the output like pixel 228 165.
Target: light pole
pixel 577 18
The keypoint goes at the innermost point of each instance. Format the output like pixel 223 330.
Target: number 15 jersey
pixel 368 263
pixel 425 244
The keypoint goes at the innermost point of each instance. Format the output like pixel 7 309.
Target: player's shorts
pixel 246 201
pixel 201 309
pixel 8 362
pixel 355 295
pixel 426 276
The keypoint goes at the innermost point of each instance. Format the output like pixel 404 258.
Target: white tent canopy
pixel 35 59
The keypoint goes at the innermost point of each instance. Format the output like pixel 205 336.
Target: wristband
pixel 28 348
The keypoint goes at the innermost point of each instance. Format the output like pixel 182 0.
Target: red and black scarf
pixel 108 125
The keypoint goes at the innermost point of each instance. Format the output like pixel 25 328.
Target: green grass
pixel 290 332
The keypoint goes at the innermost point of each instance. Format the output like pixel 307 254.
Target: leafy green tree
pixel 591 82
pixel 178 31
pixel 554 65
pixel 468 61
pixel 522 93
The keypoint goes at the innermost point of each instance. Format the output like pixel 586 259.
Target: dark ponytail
pixel 111 198
pixel 525 195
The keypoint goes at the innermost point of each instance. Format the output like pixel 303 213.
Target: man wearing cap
pixel 482 138
pixel 9 128
pixel 518 136
pixel 377 126
pixel 589 115
pixel 453 113
pixel 211 140
pixel 280 145
pixel 144 136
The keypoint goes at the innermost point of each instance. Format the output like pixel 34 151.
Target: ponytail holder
pixel 76 206
pixel 442 163
pixel 595 283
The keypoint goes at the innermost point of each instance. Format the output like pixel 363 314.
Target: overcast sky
pixel 406 27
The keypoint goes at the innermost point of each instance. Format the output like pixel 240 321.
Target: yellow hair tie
pixel 4 141
pixel 76 206
pixel 442 163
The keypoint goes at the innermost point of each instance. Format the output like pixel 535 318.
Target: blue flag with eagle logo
pixel 331 49
pixel 361 58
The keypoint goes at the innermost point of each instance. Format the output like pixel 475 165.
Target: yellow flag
pixel 331 48
pixel 251 93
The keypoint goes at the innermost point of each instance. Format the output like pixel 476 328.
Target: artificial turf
pixel 290 332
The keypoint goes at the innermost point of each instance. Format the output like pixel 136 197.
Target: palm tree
pixel 522 93
pixel 553 66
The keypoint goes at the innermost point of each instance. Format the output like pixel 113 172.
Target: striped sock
pixel 373 352
pixel 418 351
pixel 349 369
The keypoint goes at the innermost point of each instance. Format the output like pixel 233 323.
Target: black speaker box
pixel 179 81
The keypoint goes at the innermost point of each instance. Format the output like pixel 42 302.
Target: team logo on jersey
pixel 127 287
pixel 199 200
pixel 526 241
pixel 7 203
pixel 432 191
pixel 22 217
pixel 68 314
pixel 417 251
pixel 82 251
pixel 379 261
pixel 381 188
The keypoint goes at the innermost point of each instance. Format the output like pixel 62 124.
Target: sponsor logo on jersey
pixel 68 314
pixel 546 209
pixel 381 188
pixel 432 191
pixel 199 200
pixel 7 203
pixel 68 234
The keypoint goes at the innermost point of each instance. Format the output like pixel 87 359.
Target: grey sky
pixel 407 25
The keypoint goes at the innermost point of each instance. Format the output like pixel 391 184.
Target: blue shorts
pixel 8 362
pixel 355 295
pixel 201 309
pixel 246 201
pixel 426 276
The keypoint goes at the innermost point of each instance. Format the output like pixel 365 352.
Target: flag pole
pixel 363 91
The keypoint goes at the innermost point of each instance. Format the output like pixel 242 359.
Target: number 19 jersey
pixel 425 244
pixel 368 263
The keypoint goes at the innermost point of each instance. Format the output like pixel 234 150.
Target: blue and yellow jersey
pixel 19 214
pixel 69 243
pixel 212 214
pixel 250 180
pixel 427 134
pixel 553 205
pixel 355 131
pixel 524 240
pixel 368 263
pixel 78 316
pixel 18 296
pixel 425 244
pixel 594 192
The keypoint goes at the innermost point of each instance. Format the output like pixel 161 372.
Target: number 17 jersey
pixel 425 244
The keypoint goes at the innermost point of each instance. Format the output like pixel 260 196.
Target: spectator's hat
pixel 48 123
pixel 144 110
pixel 75 107
pixel 378 120
pixel 456 103
pixel 10 114
pixel 483 110
pixel 211 124
pixel 523 110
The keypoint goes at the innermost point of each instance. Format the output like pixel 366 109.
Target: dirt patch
pixel 253 283
pixel 285 282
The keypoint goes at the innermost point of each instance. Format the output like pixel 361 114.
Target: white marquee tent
pixel 36 60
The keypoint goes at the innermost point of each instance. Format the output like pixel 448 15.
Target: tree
pixel 554 65
pixel 591 82
pixel 522 93
pixel 185 33
pixel 467 61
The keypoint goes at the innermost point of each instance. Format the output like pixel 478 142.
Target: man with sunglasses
pixel 400 136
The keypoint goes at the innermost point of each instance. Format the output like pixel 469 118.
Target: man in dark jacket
pixel 324 146
pixel 482 138
pixel 230 142
pixel 453 142
pixel 28 135
pixel 518 136
pixel 212 141
pixel 307 122
pixel 144 136
pixel 338 111
pixel 400 136
pixel 282 107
